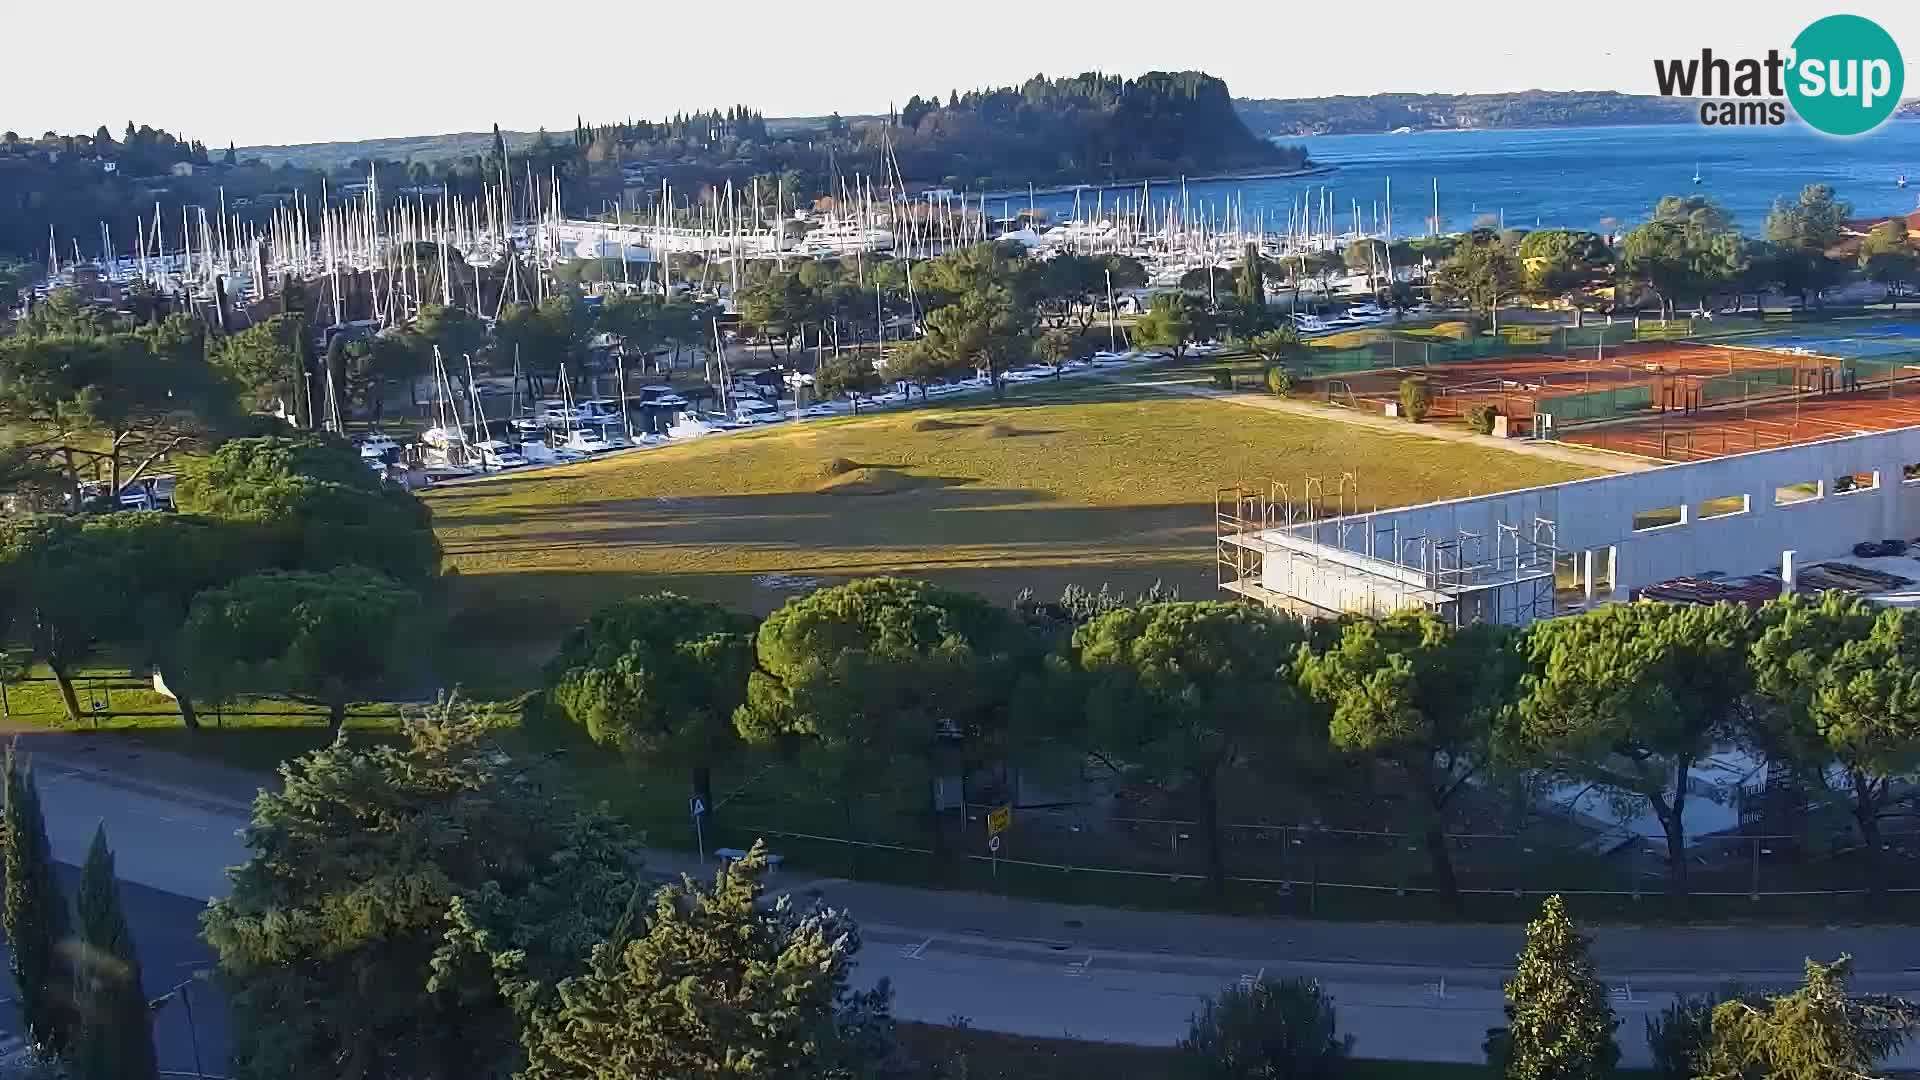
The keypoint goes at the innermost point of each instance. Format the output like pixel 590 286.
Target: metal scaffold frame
pixel 1454 576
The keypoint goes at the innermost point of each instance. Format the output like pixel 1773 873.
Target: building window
pixel 1789 494
pixel 1724 506
pixel 1665 517
pixel 1910 474
pixel 1852 482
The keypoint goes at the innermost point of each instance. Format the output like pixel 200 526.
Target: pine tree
pixel 115 1036
pixel 35 915
pixel 1559 1024
pixel 1815 1033
pixel 714 983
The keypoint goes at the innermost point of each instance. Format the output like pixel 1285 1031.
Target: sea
pixel 1602 179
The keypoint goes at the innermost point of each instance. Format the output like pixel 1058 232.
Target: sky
pixel 228 71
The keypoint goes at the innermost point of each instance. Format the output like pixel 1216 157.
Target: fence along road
pixel 1027 967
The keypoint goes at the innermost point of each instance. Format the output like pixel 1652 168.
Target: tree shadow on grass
pixel 503 627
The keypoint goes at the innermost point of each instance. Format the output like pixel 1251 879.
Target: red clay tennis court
pixel 1582 386
pixel 1678 436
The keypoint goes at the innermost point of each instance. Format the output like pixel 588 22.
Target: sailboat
pixel 1696 172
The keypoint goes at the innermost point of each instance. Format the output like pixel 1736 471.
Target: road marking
pixel 1248 982
pixel 1078 969
pixel 1438 989
pixel 912 952
pixel 1624 992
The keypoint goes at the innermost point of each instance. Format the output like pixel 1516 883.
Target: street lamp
pixel 181 990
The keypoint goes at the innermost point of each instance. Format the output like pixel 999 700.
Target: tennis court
pixel 1682 436
pixel 1588 384
pixel 1841 340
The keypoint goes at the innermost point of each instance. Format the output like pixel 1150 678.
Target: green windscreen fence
pixel 1748 383
pixel 1596 404
pixel 1408 351
pixel 1879 369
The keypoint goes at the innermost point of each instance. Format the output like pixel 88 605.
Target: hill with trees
pixel 1088 127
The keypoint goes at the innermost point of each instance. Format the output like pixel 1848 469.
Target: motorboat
pixel 613 435
pixel 495 454
pixel 375 445
pixel 755 411
pixel 661 397
pixel 585 440
pixel 598 410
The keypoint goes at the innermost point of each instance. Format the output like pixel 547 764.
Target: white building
pixel 1522 555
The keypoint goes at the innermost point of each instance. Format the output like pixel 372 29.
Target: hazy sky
pixel 221 70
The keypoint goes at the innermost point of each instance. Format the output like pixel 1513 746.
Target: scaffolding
pixel 1318 554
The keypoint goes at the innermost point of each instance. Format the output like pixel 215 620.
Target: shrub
pixel 1480 418
pixel 1223 379
pixel 1279 380
pixel 1677 1035
pixel 1272 1029
pixel 1416 398
pixel 1559 1022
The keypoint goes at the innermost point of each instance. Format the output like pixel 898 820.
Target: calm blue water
pixel 1579 178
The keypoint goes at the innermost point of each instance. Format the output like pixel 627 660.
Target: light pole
pixel 182 990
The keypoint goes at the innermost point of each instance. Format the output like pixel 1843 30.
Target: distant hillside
pixel 1092 127
pixel 1427 112
pixel 329 156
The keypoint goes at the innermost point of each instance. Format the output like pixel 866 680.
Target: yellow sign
pixel 998 819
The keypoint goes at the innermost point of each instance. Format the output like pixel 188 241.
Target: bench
pixel 732 855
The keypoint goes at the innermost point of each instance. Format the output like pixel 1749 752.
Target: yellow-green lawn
pixel 1076 484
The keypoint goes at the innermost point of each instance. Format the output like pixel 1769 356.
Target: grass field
pixel 1086 483
pixel 255 733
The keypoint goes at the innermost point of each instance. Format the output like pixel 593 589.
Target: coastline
pixel 1163 181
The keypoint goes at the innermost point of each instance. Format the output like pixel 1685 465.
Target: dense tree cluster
pixel 1689 254
pixel 291 570
pixel 894 678
pixel 373 932
pixel 1090 126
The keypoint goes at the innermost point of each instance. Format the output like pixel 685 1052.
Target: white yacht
pixel 838 236
pixel 494 454
pixel 755 411
pixel 586 440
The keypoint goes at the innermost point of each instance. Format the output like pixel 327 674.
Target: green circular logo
pixel 1846 75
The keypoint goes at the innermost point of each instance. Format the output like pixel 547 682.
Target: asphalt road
pixel 1416 992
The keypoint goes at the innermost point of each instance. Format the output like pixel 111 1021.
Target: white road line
pixel 912 952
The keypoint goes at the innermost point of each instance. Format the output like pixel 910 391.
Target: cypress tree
pixel 1559 1023
pixel 35 915
pixel 115 1038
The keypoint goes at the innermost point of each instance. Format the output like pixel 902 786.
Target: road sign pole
pixel 698 810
